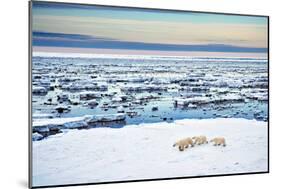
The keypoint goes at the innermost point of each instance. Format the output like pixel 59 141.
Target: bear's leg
pixel 181 148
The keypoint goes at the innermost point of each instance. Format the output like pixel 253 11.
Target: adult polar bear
pixel 184 143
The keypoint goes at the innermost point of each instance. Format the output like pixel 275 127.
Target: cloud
pixel 248 35
pixel 81 41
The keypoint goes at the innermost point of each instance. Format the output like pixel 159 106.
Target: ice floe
pixel 84 152
pixel 39 90
pixel 47 127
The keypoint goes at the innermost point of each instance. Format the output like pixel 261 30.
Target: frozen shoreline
pixel 145 151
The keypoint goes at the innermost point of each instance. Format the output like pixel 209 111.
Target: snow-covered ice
pixel 77 100
pixel 145 152
pixel 39 90
pixel 36 136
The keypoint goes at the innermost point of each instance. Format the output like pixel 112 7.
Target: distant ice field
pixel 149 88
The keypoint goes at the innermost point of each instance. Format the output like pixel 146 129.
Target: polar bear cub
pixel 184 143
pixel 200 140
pixel 218 141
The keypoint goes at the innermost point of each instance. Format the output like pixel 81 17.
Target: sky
pixel 112 28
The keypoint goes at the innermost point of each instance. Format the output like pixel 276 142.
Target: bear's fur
pixel 200 140
pixel 218 141
pixel 184 143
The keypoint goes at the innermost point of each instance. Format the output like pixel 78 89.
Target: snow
pixel 41 115
pixel 228 97
pixel 192 105
pixel 195 100
pixel 145 152
pixel 206 100
pixel 55 121
pixel 120 109
pixel 117 99
pixel 110 117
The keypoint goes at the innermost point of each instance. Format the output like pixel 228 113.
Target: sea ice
pixel 107 154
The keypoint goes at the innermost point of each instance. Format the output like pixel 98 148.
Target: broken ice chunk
pixel 89 95
pixel 62 97
pixel 75 125
pixel 93 103
pixel 61 109
pixel 36 137
pixel 120 109
pixel 37 90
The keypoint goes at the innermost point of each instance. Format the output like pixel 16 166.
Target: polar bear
pixel 184 143
pixel 218 141
pixel 200 140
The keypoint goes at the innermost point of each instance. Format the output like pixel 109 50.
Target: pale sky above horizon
pixel 146 26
